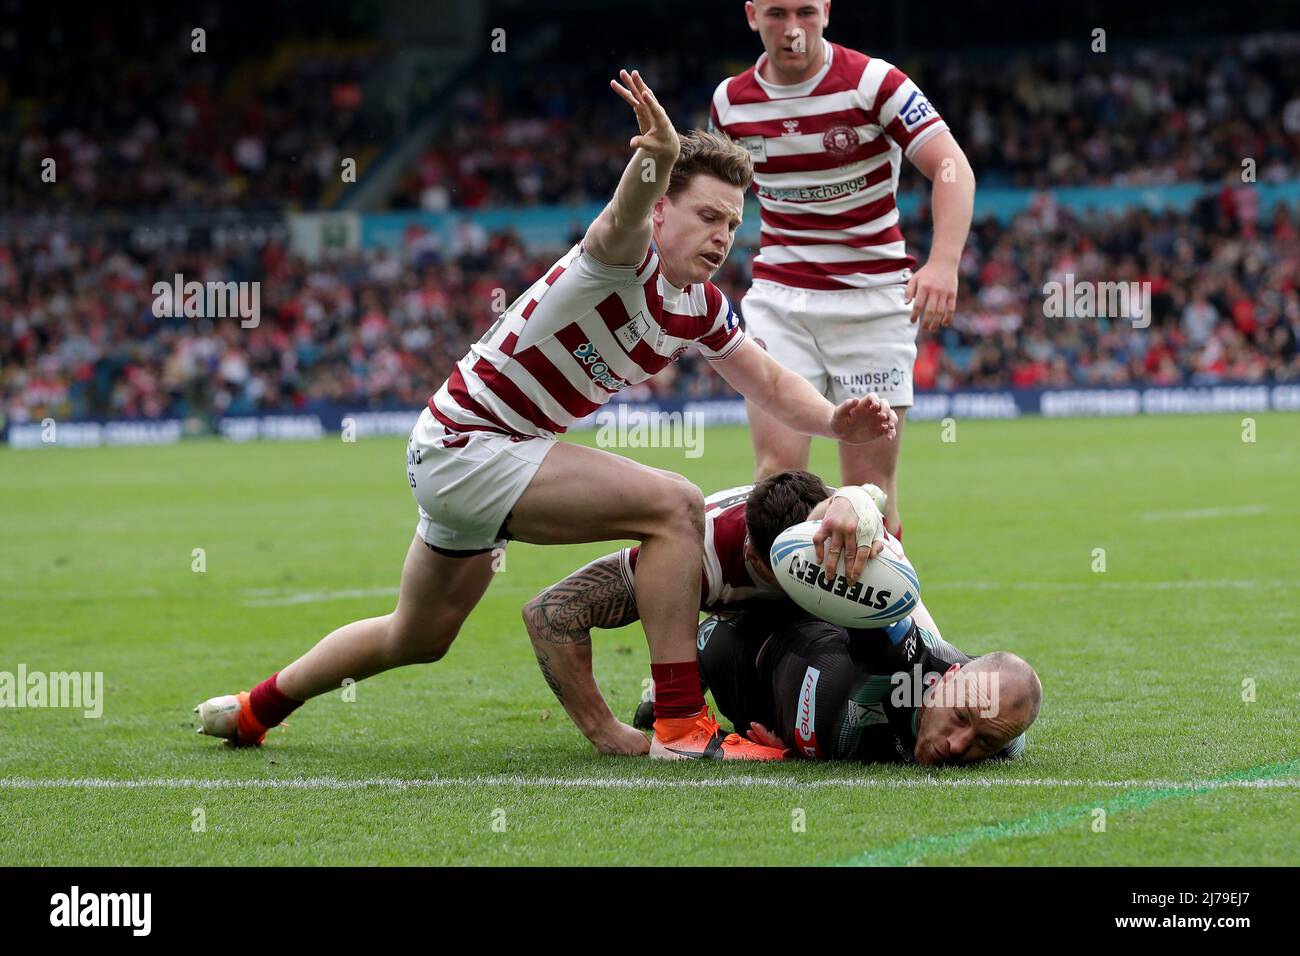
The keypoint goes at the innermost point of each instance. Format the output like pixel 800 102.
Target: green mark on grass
pixel 911 851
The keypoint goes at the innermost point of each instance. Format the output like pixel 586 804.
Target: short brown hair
pixel 777 502
pixel 712 154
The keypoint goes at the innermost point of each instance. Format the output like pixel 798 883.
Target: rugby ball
pixel 887 592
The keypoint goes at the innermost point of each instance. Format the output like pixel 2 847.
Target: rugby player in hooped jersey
pixel 484 464
pixel 834 296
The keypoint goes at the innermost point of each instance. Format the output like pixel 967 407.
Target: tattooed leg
pixel 559 623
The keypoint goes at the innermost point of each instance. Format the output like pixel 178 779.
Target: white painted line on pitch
pixel 1192 514
pixel 622 783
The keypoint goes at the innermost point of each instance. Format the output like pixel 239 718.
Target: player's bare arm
pixel 621 233
pixel 559 622
pixel 792 401
pixel 932 289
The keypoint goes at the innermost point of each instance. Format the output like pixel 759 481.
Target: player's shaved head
pixel 976 710
pixel 1019 689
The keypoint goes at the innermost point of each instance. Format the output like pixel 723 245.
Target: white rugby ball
pixel 887 592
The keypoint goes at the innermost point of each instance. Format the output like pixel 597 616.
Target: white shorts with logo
pixel 847 344
pixel 466 483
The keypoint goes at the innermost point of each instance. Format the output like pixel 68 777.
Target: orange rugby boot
pixel 700 738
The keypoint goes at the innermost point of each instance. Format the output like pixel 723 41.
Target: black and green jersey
pixel 828 692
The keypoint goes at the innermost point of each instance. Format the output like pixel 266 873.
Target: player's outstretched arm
pixel 789 399
pixel 621 233
pixel 559 623
pixel 932 290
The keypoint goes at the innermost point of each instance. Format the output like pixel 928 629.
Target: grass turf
pixel 1143 665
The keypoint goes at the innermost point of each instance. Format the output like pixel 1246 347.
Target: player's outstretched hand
pixel 932 293
pixel 658 138
pixel 839 535
pixel 860 420
pixel 621 740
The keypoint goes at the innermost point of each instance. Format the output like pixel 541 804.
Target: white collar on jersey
pixel 777 91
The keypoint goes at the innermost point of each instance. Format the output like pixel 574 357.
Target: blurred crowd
pixel 135 119
pixel 261 127
pixel 79 338
pixel 1224 299
pixel 1055 117
pixel 264 124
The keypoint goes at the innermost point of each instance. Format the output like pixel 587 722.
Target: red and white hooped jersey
pixel 826 161
pixel 726 580
pixel 580 335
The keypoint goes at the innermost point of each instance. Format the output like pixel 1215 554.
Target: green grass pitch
pixel 471 761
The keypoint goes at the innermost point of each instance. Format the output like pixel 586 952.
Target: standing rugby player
pixel 834 296
pixel 484 464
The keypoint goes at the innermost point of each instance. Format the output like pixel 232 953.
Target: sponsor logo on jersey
pixel 599 371
pixel 633 331
pixel 791 127
pixel 805 718
pixel 840 140
pixel 904 752
pixel 828 191
pixel 876 378
pixel 916 111
pixel 756 146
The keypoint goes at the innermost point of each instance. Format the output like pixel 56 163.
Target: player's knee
pixel 423 642
pixel 683 507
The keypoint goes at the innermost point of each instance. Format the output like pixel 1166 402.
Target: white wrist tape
pixel 871 523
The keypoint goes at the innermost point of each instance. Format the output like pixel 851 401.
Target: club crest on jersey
pixel 756 146
pixel 862 715
pixel 840 140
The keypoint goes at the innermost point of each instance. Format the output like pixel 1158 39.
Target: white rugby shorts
pixel 466 483
pixel 846 343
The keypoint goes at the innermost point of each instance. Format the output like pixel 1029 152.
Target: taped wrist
pixel 870 524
